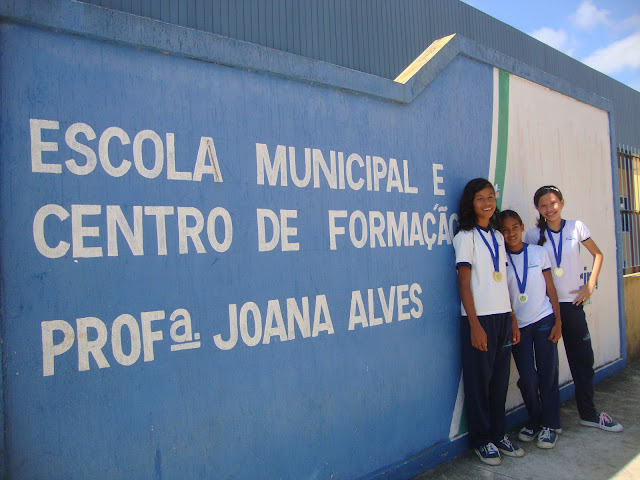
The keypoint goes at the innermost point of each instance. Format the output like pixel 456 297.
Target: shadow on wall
pixel 632 313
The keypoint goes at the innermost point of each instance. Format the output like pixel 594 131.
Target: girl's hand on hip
pixel 583 294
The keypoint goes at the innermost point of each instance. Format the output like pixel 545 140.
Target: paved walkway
pixel 581 452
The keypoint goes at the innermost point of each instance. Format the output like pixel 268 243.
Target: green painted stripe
pixel 503 133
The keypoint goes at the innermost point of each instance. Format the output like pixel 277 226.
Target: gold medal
pixel 558 271
pixel 523 298
pixel 497 276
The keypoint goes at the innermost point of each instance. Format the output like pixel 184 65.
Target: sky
pixel 604 34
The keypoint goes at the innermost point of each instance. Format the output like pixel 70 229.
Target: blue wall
pixel 343 403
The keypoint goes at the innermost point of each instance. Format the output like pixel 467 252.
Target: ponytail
pixel 542 225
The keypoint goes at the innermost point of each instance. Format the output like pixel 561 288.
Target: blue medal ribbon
pixel 556 252
pixel 522 285
pixel 494 256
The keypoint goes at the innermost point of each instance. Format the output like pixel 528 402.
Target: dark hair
pixel 504 214
pixel 466 214
pixel 542 222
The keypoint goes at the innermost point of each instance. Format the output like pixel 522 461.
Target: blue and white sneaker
pixel 603 422
pixel 527 434
pixel 509 449
pixel 489 454
pixel 547 438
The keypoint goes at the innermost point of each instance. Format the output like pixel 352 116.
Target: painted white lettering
pixel 437 179
pixel 414 291
pixel 300 183
pixel 354 157
pixel 373 320
pixel 321 312
pixel 429 239
pixel 393 180
pixel 281 231
pixel 207 150
pixel 38 146
pixel 38 231
pixel 233 330
pixel 247 338
pixel 274 313
pixel 80 231
pixel 150 336
pixel 158 163
pixel 357 312
pixel 333 228
pixel 216 244
pixel 328 172
pixel 407 188
pixel 397 231
pixel 392 302
pixel 376 228
pixel 51 350
pixel 103 151
pixel 172 173
pixel 416 230
pixel 295 317
pixel 161 231
pixel 193 232
pixel 402 302
pixel 117 221
pixel 128 321
pixel 279 165
pixel 93 347
pixel 90 156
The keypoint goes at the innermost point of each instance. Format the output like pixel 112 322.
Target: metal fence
pixel 629 174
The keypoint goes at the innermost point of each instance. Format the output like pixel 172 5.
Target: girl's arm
pixel 478 335
pixel 556 331
pixel 585 291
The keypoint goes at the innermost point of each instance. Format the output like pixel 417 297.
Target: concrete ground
pixel 581 452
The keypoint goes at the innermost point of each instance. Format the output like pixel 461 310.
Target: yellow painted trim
pixel 424 57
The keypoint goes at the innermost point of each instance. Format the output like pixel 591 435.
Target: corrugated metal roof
pixel 381 37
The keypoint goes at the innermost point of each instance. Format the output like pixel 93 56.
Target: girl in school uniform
pixel 487 329
pixel 561 239
pixel 535 303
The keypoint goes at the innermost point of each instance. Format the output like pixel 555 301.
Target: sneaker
pixel 547 438
pixel 603 422
pixel 527 434
pixel 489 454
pixel 509 449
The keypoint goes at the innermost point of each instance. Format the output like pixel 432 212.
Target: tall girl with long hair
pixel 487 327
pixel 562 239
pixel 535 303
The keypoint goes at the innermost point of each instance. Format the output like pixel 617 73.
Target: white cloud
pixel 558 39
pixel 588 15
pixel 617 56
pixel 631 22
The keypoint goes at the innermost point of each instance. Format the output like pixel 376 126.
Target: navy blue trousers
pixel 577 344
pixel 536 358
pixel 486 378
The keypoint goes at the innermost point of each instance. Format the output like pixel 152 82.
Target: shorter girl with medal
pixel 562 239
pixel 535 304
pixel 487 328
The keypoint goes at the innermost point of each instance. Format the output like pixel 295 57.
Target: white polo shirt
pixel 537 305
pixel 573 233
pixel 489 297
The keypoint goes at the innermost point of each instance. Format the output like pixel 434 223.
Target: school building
pixel 225 228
